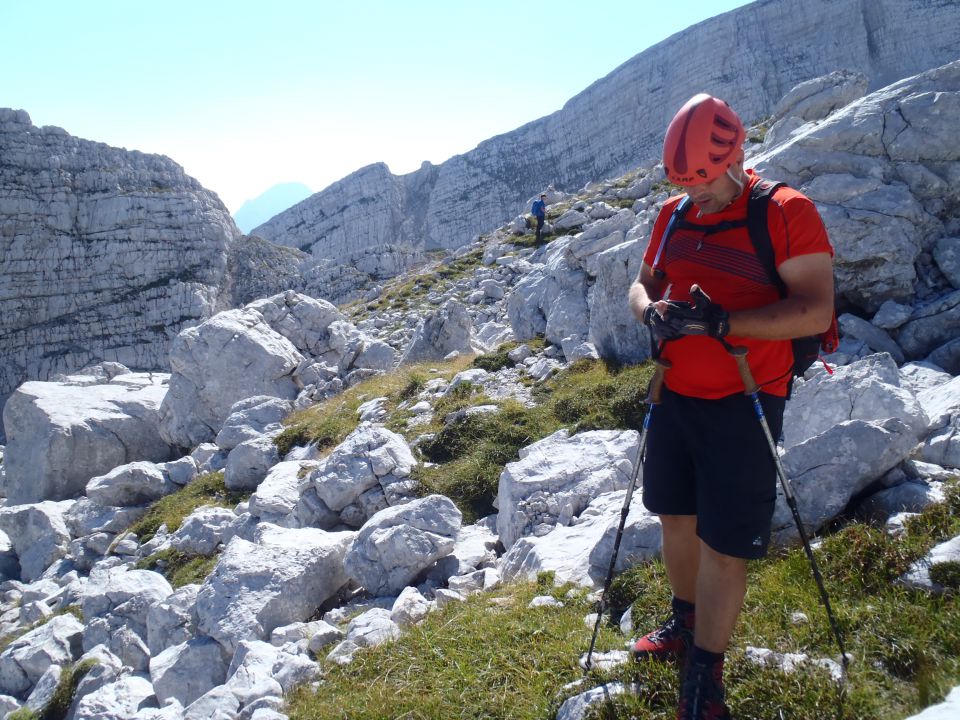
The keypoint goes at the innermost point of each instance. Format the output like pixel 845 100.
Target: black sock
pixel 704 657
pixel 685 610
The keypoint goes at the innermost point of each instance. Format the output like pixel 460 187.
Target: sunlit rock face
pixel 105 254
pixel 751 57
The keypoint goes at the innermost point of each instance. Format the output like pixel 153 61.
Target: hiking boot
pixel 672 640
pixel 702 695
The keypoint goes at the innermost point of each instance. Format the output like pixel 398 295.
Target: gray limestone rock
pixel 872 170
pixel 828 470
pixel 891 315
pixel 932 324
pixel 947 254
pixel 282 578
pixel 45 689
pixel 228 358
pixel 815 99
pixel 172 620
pixel 119 700
pixel 136 483
pixel 911 497
pixel 371 458
pixel 259 350
pixel 557 477
pixel 61 434
pixel 38 534
pixel 202 531
pixel 440 333
pixel 397 543
pixel 249 462
pixel 277 496
pixel 868 389
pixel 27 658
pixel 188 670
pixel 410 607
pixel 252 417
pixel 115 603
pixel 580 552
pixel 876 338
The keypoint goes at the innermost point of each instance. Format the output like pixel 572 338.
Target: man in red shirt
pixel 708 472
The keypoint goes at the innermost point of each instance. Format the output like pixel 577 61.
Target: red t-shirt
pixel 725 265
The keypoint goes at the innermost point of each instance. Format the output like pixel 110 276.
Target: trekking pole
pixel 752 391
pixel 652 400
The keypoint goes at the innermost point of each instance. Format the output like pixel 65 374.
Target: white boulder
pixel 398 543
pixel 26 659
pixel 281 578
pixel 136 483
pixel 38 535
pixel 557 477
pixel 61 434
pixel 252 417
pixel 188 670
pixel 580 552
pixel 868 389
pixel 372 463
pixel 826 471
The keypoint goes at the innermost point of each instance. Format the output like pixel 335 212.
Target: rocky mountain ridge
pixel 105 254
pixel 751 57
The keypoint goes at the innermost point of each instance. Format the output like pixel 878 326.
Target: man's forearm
pixel 789 318
pixel 639 299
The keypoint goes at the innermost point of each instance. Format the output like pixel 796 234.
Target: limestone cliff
pixel 751 57
pixel 105 254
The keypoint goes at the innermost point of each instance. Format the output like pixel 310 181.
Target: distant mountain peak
pixel 269 203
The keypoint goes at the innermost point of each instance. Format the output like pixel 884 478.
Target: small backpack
pixel 806 350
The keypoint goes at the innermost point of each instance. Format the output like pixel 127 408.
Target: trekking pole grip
pixel 739 354
pixel 655 389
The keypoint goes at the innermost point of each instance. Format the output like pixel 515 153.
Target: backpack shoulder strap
pixel 675 217
pixel 758 206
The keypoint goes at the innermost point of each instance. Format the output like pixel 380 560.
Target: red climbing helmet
pixel 702 141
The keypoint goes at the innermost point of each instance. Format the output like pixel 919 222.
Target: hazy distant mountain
pixel 265 206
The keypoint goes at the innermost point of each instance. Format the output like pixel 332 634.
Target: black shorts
pixel 710 458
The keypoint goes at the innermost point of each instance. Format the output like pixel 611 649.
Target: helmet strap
pixel 738 179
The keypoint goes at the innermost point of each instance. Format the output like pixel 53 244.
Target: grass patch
pixel 328 423
pixel 497 360
pixel 472 452
pixel 477 659
pixel 595 395
pixel 207 489
pixel 180 568
pixel 946 574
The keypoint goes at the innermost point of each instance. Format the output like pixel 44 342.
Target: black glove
pixel 704 317
pixel 663 329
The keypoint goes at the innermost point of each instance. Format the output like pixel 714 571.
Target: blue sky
pixel 246 94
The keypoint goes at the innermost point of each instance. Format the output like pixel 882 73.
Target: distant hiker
pixel 539 210
pixel 708 472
